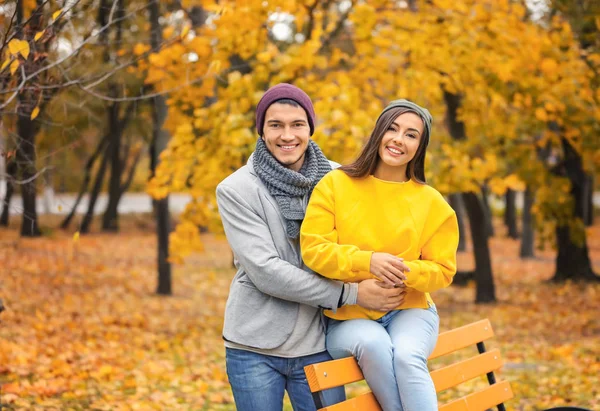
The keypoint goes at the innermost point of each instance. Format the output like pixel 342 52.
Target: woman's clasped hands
pixel 389 269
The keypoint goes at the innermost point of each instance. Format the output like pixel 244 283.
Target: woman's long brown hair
pixel 367 161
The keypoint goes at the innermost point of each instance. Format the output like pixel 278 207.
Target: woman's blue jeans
pixel 258 381
pixel 392 353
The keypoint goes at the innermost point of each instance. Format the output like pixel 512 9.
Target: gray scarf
pixel 289 187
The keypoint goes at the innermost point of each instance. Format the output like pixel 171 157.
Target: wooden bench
pixel 344 371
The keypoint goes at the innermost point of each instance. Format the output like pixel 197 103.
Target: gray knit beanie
pixel 420 111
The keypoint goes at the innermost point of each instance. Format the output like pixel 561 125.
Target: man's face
pixel 286 134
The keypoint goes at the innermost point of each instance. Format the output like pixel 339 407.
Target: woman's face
pixel 400 143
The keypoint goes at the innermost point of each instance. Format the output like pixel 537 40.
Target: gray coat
pixel 271 280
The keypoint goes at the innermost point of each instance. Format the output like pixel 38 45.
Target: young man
pixel 273 324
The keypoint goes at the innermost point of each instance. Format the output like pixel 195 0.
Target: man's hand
pixel 388 268
pixel 375 295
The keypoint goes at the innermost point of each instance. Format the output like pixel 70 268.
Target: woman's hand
pixel 388 268
pixel 375 295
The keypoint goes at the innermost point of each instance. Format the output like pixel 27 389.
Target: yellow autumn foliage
pixel 515 79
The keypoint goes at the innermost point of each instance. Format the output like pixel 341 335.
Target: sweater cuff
pixel 350 294
pixel 413 275
pixel 361 261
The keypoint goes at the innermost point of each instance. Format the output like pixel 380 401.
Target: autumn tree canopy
pixel 523 87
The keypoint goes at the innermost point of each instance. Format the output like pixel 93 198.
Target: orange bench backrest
pixel 336 373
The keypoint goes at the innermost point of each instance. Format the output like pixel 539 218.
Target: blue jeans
pixel 258 381
pixel 392 353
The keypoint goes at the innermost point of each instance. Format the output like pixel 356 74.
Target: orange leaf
pixel 16 46
pixel 14 66
pixel 56 14
pixel 35 113
pixel 6 63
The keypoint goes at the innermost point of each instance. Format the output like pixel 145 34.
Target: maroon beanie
pixel 281 91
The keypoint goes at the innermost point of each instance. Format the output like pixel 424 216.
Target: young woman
pixel 378 218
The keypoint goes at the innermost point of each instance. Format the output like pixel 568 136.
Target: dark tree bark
pixel 573 260
pixel 510 214
pixel 27 129
pixel 527 222
pixel 26 158
pixel 456 203
pixel 160 138
pixel 89 215
pixel 485 192
pixel 485 290
pixel 588 200
pixel 11 171
pixel 130 174
pixel 86 181
pixel 110 220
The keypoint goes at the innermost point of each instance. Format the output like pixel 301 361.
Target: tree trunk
pixel 89 215
pixel 527 222
pixel 573 260
pixel 48 197
pixel 510 214
pixel 3 155
pixel 130 174
pixel 11 171
pixel 86 181
pixel 27 129
pixel 485 192
pixel 456 203
pixel 160 138
pixel 588 201
pixel 485 290
pixel 26 157
pixel 110 220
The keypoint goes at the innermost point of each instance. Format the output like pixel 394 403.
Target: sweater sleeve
pixel 437 265
pixel 252 244
pixel 321 251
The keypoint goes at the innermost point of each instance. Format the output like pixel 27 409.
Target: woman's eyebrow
pixel 412 129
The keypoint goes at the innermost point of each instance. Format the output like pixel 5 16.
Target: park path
pixel 61 204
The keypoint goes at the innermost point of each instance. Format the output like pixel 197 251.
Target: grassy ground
pixel 84 330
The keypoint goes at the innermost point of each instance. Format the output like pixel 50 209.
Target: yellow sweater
pixel 348 219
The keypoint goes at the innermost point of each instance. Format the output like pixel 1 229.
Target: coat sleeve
pixel 319 239
pixel 252 243
pixel 437 265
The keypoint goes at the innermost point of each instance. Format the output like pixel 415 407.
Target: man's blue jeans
pixel 258 381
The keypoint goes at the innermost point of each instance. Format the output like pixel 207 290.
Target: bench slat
pixel 335 373
pixel 455 374
pixel 462 337
pixel 325 375
pixel 482 400
pixel 364 402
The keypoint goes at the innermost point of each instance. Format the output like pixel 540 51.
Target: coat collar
pixel 250 165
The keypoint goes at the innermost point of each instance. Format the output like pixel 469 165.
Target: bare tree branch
pixel 70 55
pixel 8 177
